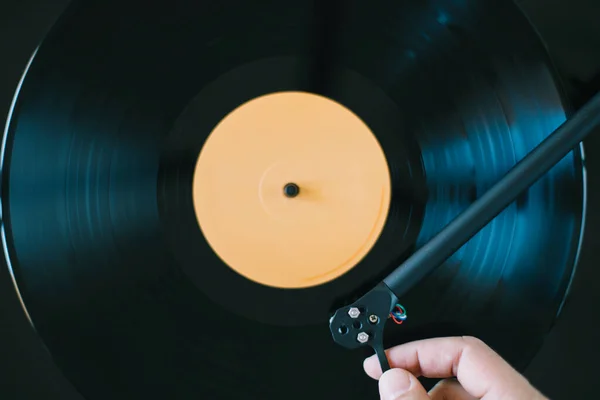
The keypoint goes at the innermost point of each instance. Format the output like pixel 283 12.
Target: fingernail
pixel 394 383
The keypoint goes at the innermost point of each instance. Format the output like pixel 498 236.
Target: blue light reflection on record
pixel 476 107
pixel 520 260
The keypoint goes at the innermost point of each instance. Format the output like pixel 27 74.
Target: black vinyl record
pixel 98 224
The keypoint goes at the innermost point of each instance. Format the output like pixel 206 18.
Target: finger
pixel 437 358
pixel 398 384
pixel 449 389
pixel 478 368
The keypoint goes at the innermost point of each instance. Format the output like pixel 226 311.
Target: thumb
pixel 398 384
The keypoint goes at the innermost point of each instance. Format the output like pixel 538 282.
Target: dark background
pixel 566 365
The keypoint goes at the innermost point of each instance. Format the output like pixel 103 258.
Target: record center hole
pixel 357 325
pixel 343 329
pixel 291 190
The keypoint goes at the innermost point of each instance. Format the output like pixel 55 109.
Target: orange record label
pixel 291 190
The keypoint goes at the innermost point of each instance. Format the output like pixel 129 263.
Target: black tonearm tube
pixel 371 311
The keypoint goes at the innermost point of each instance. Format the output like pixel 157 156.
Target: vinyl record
pixel 189 189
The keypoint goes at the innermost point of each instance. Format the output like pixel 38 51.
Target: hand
pixel 480 372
